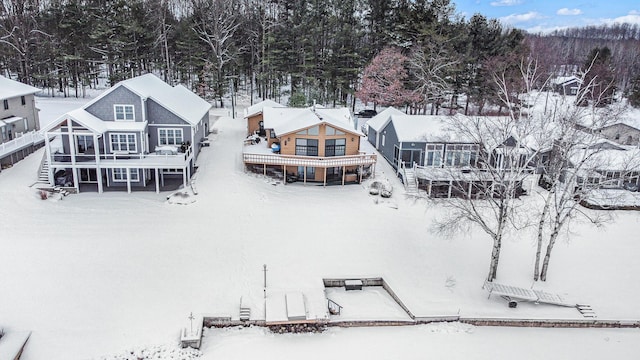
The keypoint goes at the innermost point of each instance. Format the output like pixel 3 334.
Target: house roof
pixel 287 120
pixel 94 124
pixel 11 88
pixel 608 159
pixel 381 120
pixel 562 80
pixel 258 108
pixel 425 128
pixel 177 99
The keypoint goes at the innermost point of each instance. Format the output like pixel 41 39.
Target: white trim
pixel 124 112
pixel 135 174
pixel 169 125
pixel 174 137
pixel 119 150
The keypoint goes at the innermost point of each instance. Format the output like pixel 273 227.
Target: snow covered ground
pixel 93 275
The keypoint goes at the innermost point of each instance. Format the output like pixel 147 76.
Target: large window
pixel 170 136
pixel 120 175
pixel 434 155
pixel 307 147
pixel 335 147
pixel 6 104
pixel 461 155
pixel 123 112
pixel 123 143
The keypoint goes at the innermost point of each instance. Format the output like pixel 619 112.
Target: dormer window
pixel 124 113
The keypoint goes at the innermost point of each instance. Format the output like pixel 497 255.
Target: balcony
pixel 310 161
pixel 123 160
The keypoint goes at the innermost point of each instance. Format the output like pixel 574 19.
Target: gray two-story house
pixel 18 121
pixel 139 133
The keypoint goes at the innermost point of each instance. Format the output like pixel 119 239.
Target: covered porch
pixel 334 169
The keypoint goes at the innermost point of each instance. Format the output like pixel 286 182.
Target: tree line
pixel 305 49
pixel 311 48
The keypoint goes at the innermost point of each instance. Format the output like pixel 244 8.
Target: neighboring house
pixel 139 133
pixel 425 148
pixel 567 85
pixel 253 115
pixel 607 169
pixel 310 145
pixel 18 121
pixel 624 132
pixel 377 123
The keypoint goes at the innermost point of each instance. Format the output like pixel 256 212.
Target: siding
pixel 391 139
pixel 27 111
pixel 103 109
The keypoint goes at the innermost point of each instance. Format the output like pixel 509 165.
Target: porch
pixel 332 170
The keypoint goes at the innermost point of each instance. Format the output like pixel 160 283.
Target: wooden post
pixel 305 175
pixel 264 169
pixel 325 178
pixel 72 149
pixel 344 171
pixel 284 174
pixel 430 187
pixel 157 182
pixel 450 186
pixel 184 177
pixel 96 148
pixel 129 180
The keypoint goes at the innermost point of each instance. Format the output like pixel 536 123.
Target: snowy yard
pixel 93 275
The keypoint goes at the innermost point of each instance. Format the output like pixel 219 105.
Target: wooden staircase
pixel 586 311
pixel 43 171
pixel 410 180
pixel 245 311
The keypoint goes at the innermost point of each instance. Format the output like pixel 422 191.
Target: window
pixel 123 143
pixel 332 131
pixel 310 131
pixel 170 136
pixel 461 155
pixel 434 155
pixel 335 147
pixel 85 144
pixel 4 133
pixel 382 140
pixel 120 175
pixel 23 100
pixel 123 112
pixel 307 147
pixel 6 104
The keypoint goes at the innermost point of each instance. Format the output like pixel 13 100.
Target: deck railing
pixel 23 139
pixel 310 161
pixel 66 158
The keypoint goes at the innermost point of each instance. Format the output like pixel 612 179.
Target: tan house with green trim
pixel 309 145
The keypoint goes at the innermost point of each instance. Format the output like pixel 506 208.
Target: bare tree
pixel 430 66
pixel 572 171
pixel 487 189
pixel 216 24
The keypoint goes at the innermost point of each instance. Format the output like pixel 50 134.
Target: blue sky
pixel 548 15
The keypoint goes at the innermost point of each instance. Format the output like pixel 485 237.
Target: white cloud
pixel 567 11
pixel 506 2
pixel 632 18
pixel 518 18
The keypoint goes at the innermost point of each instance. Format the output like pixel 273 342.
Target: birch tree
pixel 571 170
pixel 487 188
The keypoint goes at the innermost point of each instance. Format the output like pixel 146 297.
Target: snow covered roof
pixel 94 124
pixel 258 108
pixel 566 79
pixel 608 159
pixel 11 88
pixel 287 120
pixel 424 128
pixel 382 119
pixel 178 99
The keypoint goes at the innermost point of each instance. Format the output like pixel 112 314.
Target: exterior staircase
pixel 43 171
pixel 245 311
pixel 410 180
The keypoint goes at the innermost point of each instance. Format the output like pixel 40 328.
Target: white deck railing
pixel 23 140
pixel 310 161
